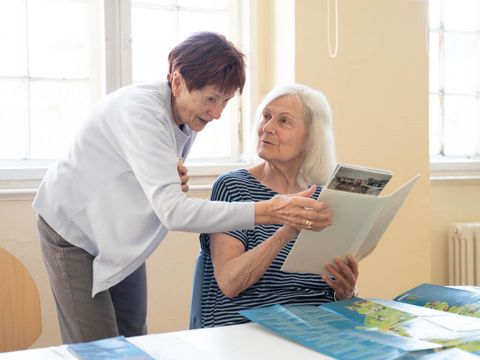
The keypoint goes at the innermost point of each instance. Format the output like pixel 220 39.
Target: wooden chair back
pixel 20 312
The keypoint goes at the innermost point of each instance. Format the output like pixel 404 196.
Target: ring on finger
pixel 308 224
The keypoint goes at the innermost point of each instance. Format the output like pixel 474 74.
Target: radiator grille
pixel 464 254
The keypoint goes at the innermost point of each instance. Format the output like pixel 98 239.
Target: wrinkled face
pixel 282 131
pixel 197 108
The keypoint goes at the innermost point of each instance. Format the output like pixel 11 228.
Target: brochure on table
pixel 110 348
pixel 383 329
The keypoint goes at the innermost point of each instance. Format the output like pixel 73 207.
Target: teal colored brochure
pixel 453 300
pixel 427 322
pixel 332 334
pixel 106 349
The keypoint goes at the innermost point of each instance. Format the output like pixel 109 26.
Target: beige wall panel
pixel 377 85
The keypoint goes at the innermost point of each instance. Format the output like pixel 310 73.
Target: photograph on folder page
pixel 358 179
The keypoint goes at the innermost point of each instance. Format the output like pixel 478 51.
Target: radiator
pixel 464 254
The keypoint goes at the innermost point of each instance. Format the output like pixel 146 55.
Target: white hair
pixel 320 153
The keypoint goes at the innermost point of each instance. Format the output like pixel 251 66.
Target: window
pixel 56 64
pixel 454 99
pixel 157 26
pixel 47 81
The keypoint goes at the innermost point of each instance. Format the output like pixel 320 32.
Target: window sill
pixel 18 182
pixel 455 171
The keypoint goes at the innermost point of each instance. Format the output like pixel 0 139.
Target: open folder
pixel 359 222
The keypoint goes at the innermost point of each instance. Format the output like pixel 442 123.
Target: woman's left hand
pixel 345 274
pixel 182 174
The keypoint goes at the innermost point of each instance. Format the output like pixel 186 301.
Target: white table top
pixel 237 342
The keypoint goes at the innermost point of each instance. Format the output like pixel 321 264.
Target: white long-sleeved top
pixel 117 192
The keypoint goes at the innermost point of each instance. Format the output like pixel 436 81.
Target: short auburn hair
pixel 207 58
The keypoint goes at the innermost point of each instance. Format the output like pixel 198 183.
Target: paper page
pixel 392 205
pixel 353 216
pixel 358 224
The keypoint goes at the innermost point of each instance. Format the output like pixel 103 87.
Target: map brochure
pixel 110 348
pixel 452 300
pixel 360 219
pixel 414 326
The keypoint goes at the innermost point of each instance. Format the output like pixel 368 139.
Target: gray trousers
pixel 120 310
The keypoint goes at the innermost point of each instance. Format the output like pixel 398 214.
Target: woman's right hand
pixel 297 210
pixel 182 174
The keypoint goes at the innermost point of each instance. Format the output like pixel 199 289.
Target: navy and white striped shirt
pixel 275 286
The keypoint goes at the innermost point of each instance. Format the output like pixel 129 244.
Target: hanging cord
pixel 332 53
pixel 427 32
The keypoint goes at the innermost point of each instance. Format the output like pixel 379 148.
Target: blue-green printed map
pixel 426 322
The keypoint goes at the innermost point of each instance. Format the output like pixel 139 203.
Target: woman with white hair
pixel 296 148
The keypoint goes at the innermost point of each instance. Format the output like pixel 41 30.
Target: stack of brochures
pixel 426 322
pixel 361 217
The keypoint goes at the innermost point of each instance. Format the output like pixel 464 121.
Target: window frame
pixel 446 168
pixel 22 177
